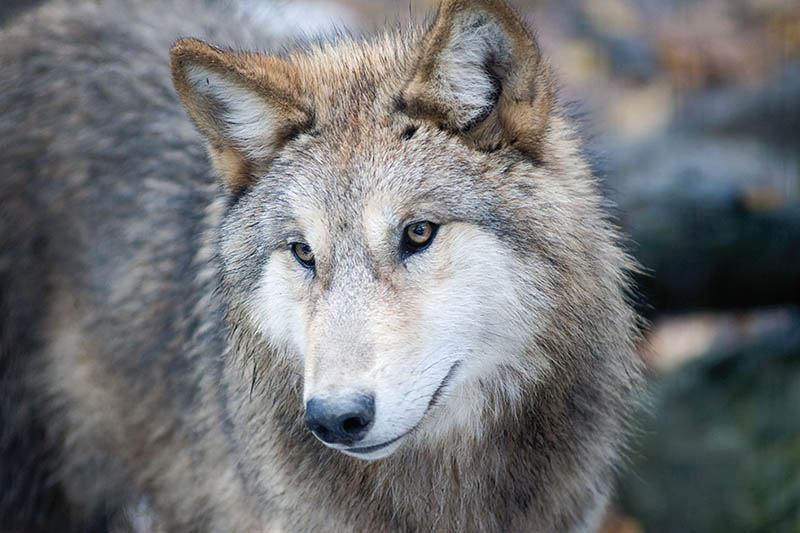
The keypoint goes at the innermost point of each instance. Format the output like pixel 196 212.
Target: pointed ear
pixel 480 74
pixel 246 105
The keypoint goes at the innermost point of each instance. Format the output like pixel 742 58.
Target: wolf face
pixel 394 218
pixel 372 316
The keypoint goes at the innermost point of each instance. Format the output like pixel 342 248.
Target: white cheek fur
pixel 473 312
pixel 480 317
pixel 274 307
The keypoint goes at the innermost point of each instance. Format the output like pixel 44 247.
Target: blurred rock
pixel 769 111
pixel 641 111
pixel 632 58
pixel 712 201
pixel 673 340
pixel 618 30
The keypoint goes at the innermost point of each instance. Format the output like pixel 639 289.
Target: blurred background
pixel 690 111
pixel 691 114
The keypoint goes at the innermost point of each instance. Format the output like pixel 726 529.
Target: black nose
pixel 340 420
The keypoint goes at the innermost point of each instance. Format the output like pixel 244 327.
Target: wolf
pixel 360 283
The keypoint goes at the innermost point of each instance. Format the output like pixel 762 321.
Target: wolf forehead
pixel 453 122
pixel 385 172
pixel 352 83
pixel 361 144
pixel 326 191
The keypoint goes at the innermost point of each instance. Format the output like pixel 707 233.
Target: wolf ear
pixel 480 74
pixel 246 105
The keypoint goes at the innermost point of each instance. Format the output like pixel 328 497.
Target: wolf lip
pixel 375 448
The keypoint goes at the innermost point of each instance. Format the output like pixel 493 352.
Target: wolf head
pixel 410 227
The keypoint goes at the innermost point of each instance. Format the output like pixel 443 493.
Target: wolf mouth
pixel 434 398
pixel 375 448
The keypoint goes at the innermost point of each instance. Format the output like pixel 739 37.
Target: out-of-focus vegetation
pixel 722 448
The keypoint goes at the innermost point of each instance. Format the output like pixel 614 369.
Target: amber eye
pixel 303 254
pixel 418 236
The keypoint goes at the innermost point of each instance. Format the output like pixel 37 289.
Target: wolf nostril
pixel 340 420
pixel 353 425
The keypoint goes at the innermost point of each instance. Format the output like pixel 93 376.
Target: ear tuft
pixel 246 105
pixel 480 74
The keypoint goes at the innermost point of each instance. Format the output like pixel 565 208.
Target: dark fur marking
pixel 234 197
pixel 254 379
pixel 297 129
pixel 409 132
pixel 494 148
pixel 399 105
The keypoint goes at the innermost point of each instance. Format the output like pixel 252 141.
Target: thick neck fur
pixel 526 471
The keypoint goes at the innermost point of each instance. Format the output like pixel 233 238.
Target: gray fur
pixel 129 369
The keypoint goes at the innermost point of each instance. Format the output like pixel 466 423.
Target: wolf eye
pixel 418 236
pixel 303 254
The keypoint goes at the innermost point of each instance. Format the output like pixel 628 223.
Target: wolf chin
pixel 377 291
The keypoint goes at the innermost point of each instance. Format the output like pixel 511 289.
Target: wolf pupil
pixel 421 232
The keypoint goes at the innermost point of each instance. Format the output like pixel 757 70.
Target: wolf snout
pixel 340 420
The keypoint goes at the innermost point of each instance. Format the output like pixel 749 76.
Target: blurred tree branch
pixel 714 248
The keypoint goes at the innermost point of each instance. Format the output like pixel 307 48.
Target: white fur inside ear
pixel 246 117
pixel 477 52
